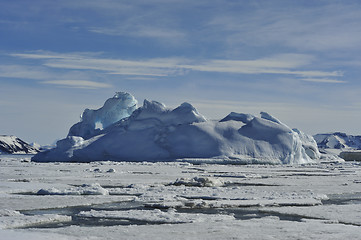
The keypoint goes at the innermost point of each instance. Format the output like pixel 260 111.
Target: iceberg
pixel 154 133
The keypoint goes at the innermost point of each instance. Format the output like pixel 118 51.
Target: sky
pixel 298 60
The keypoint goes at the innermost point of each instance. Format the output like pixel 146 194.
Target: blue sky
pixel 298 60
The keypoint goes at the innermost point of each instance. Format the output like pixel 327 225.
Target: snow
pixel 178 200
pixel 154 132
pixel 23 221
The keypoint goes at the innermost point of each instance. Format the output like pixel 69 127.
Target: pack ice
pixel 119 131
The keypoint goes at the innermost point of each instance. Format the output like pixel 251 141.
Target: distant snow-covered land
pixel 338 140
pixel 14 145
pixel 346 146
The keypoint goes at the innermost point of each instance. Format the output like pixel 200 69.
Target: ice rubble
pixel 155 216
pixel 154 132
pixel 85 189
pixel 199 182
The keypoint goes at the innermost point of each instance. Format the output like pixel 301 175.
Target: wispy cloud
pixel 322 27
pixel 284 64
pixel 40 54
pixel 45 75
pixel 78 84
pixel 323 80
pixel 24 71
pixel 259 66
pixel 318 25
pixel 142 78
pixel 141 31
pixel 116 66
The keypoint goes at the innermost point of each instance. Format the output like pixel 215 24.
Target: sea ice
pixel 179 200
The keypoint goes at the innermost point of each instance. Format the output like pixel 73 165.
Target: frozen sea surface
pixel 176 200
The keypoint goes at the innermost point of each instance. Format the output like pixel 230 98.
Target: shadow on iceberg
pixel 154 132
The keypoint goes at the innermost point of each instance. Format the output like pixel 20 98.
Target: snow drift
pixel 154 132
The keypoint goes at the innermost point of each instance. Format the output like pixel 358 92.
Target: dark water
pixel 342 199
pixel 238 213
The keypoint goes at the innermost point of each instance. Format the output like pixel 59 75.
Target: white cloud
pixel 283 64
pixel 78 84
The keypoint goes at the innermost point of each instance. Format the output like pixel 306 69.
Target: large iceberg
pixel 154 132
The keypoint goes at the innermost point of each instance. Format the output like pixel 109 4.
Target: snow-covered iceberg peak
pixel 233 116
pixel 158 113
pixel 121 106
pixel 153 106
pixel 267 116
